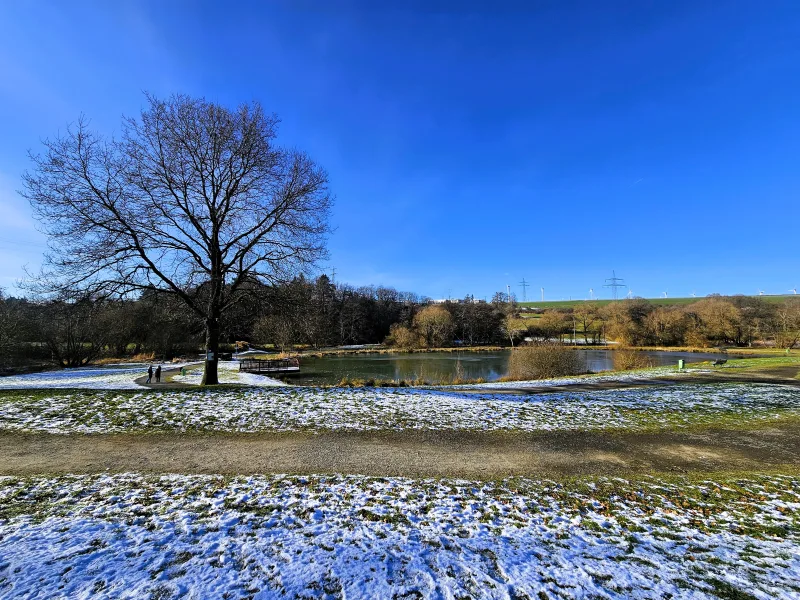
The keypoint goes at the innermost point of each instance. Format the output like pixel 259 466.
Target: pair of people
pixel 150 374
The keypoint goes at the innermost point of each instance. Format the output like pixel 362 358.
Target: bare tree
pixel 194 200
pixel 787 324
pixel 9 328
pixel 587 316
pixel 74 331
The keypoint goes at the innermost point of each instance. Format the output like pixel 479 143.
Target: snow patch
pixel 358 409
pixel 110 536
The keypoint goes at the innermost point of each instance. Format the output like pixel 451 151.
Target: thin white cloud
pixel 15 210
pixel 21 245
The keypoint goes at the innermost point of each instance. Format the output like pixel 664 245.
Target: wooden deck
pixel 260 365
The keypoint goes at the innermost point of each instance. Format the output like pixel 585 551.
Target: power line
pixel 524 285
pixel 614 283
pixel 23 243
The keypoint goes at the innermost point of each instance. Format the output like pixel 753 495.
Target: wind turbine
pixel 794 290
pixel 694 295
pixel 630 293
pixel 760 292
pixel 591 293
pixel 665 294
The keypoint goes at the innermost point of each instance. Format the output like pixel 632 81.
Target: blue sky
pixel 469 145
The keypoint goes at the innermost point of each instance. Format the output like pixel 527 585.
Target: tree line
pixel 711 321
pixel 71 332
pixel 318 313
pixel 303 313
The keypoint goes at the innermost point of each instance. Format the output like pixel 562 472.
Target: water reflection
pixel 442 366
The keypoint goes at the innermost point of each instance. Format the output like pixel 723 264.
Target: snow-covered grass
pixel 132 536
pixel 634 376
pixel 315 409
pixel 122 377
pixel 115 377
pixel 228 372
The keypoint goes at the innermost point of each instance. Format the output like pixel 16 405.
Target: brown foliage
pixel 401 336
pixel 787 329
pixel 716 320
pixel 434 325
pixel 543 361
pixel 626 359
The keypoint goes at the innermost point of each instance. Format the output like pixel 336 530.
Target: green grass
pixel 761 362
pixel 700 420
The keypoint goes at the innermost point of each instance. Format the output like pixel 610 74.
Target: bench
pixel 718 362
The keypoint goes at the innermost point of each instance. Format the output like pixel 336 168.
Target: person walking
pixel 158 374
pixel 149 374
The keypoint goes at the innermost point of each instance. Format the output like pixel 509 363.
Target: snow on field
pixel 294 408
pixel 131 536
pixel 637 376
pixel 122 376
pixel 116 377
pixel 228 372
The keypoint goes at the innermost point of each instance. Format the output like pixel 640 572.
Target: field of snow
pixel 636 376
pixel 294 408
pixel 228 372
pixel 115 377
pixel 122 376
pixel 131 536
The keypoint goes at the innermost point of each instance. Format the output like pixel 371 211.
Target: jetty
pixel 261 365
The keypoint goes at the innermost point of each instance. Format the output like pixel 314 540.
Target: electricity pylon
pixel 614 283
pixel 524 284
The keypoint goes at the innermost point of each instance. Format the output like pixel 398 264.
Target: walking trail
pixel 487 455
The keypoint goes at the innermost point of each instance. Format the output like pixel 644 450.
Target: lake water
pixel 436 366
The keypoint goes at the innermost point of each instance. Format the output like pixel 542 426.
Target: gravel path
pixel 482 455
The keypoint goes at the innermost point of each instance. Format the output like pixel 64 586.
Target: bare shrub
pixel 434 325
pixel 543 361
pixel 403 337
pixel 626 360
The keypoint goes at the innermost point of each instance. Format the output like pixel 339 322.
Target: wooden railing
pixel 260 365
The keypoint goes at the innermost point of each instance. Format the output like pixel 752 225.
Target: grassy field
pixel 656 301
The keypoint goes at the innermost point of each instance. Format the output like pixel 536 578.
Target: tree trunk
pixel 210 375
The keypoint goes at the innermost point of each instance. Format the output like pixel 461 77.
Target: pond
pixel 439 366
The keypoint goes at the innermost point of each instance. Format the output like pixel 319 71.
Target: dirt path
pixel 166 382
pixel 409 453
